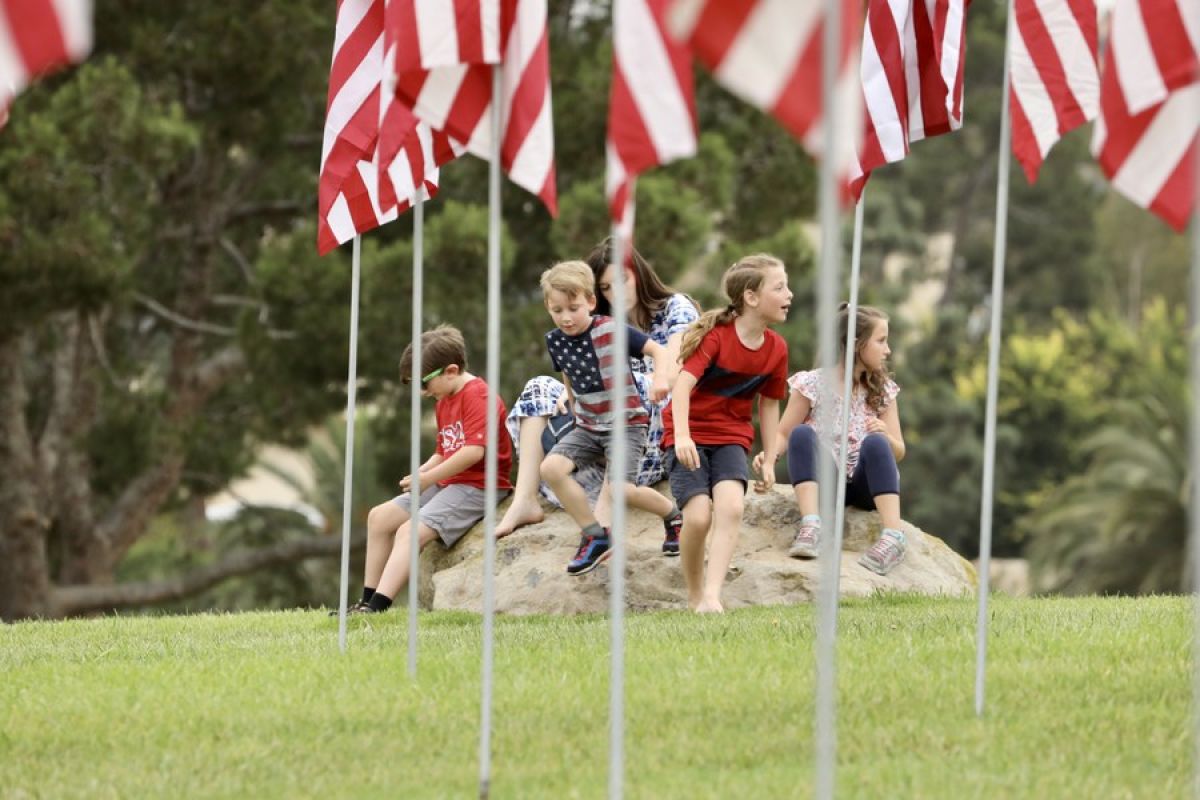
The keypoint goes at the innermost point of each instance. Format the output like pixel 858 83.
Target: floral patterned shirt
pixel 827 422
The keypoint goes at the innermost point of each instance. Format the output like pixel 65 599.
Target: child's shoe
pixel 807 541
pixel 886 553
pixel 592 550
pixel 357 608
pixel 672 527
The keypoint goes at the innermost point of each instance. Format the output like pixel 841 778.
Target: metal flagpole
pixel 839 508
pixel 493 422
pixel 414 430
pixel 827 593
pixel 989 431
pixel 616 568
pixel 348 483
pixel 1194 464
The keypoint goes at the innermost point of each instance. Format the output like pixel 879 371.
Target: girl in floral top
pixel 874 443
pixel 664 315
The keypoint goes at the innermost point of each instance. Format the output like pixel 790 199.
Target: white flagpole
pixel 348 482
pixel 993 381
pixel 1194 459
pixel 493 422
pixel 616 569
pixel 839 508
pixel 414 430
pixel 827 594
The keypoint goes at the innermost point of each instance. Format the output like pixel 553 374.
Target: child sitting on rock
pixel 874 444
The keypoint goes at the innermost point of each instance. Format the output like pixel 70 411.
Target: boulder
pixel 531 575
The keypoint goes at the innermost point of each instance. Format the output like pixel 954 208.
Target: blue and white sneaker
pixel 592 550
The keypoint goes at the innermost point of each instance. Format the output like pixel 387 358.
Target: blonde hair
pixel 747 275
pixel 572 278
pixel 865 322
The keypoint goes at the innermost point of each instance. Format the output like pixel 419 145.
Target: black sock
pixel 380 602
pixel 596 530
pixel 368 593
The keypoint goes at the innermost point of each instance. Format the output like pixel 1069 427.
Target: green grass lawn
pixel 1087 698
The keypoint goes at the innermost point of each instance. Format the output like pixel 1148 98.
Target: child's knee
pixel 875 445
pixel 732 507
pixel 697 513
pixel 555 468
pixel 802 436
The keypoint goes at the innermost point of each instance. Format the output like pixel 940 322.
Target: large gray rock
pixel 531 565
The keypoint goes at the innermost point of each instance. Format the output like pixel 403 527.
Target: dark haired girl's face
pixel 605 286
pixel 874 354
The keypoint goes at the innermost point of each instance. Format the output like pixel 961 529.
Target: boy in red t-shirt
pixel 452 480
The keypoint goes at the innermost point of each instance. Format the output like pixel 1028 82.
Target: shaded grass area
pixel 1086 698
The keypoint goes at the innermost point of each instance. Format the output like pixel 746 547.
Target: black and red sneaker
pixel 672 527
pixel 592 550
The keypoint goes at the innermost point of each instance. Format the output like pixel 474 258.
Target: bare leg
pixel 806 497
pixel 697 517
pixel 648 499
pixel 526 509
pixel 395 574
pixel 382 523
pixel 728 500
pixel 603 510
pixel 556 471
pixel 889 510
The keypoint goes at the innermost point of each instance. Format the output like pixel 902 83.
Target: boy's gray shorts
pixel 450 510
pixel 585 447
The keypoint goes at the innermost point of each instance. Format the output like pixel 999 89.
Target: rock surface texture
pixel 531 575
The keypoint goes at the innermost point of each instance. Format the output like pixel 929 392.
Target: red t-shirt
pixel 462 421
pixel 728 376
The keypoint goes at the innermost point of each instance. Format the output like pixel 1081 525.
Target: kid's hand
pixel 560 405
pixel 767 482
pixel 406 483
pixel 686 454
pixel 659 388
pixel 875 425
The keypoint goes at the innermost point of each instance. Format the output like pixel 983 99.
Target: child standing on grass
pixel 452 480
pixel 874 443
pixel 581 348
pixel 730 356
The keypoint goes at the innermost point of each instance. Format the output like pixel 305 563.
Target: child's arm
pixel 888 423
pixel 681 400
pixel 468 456
pixel 659 385
pixel 566 400
pixel 798 408
pixel 768 421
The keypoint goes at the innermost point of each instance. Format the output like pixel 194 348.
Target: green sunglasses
pixel 425 381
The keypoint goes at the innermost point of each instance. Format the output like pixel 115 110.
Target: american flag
pixel 443 72
pixel 347 192
pixel 1054 78
pixel 913 58
pixel 652 109
pixel 39 36
pixel 768 52
pixel 1145 137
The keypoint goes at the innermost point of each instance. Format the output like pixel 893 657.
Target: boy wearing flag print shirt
pixel 581 348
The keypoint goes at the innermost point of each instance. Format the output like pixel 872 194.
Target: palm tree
pixel 1121 526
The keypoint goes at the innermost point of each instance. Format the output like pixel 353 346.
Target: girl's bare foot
pixel 710 607
pixel 521 512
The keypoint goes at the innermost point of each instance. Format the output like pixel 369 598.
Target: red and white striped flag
pixel 1145 137
pixel 768 52
pixel 652 108
pixel 913 58
pixel 39 36
pixel 1054 82
pixel 347 193
pixel 444 57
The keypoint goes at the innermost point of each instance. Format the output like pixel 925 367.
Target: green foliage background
pixel 181 161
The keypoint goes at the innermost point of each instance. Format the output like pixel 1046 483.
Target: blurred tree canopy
pixel 165 313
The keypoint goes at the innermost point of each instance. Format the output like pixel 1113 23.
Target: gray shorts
pixel 584 447
pixel 726 462
pixel 450 510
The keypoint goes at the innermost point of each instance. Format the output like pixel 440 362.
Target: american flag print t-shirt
pixel 587 362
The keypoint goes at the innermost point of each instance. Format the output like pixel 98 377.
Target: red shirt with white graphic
pixel 462 421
